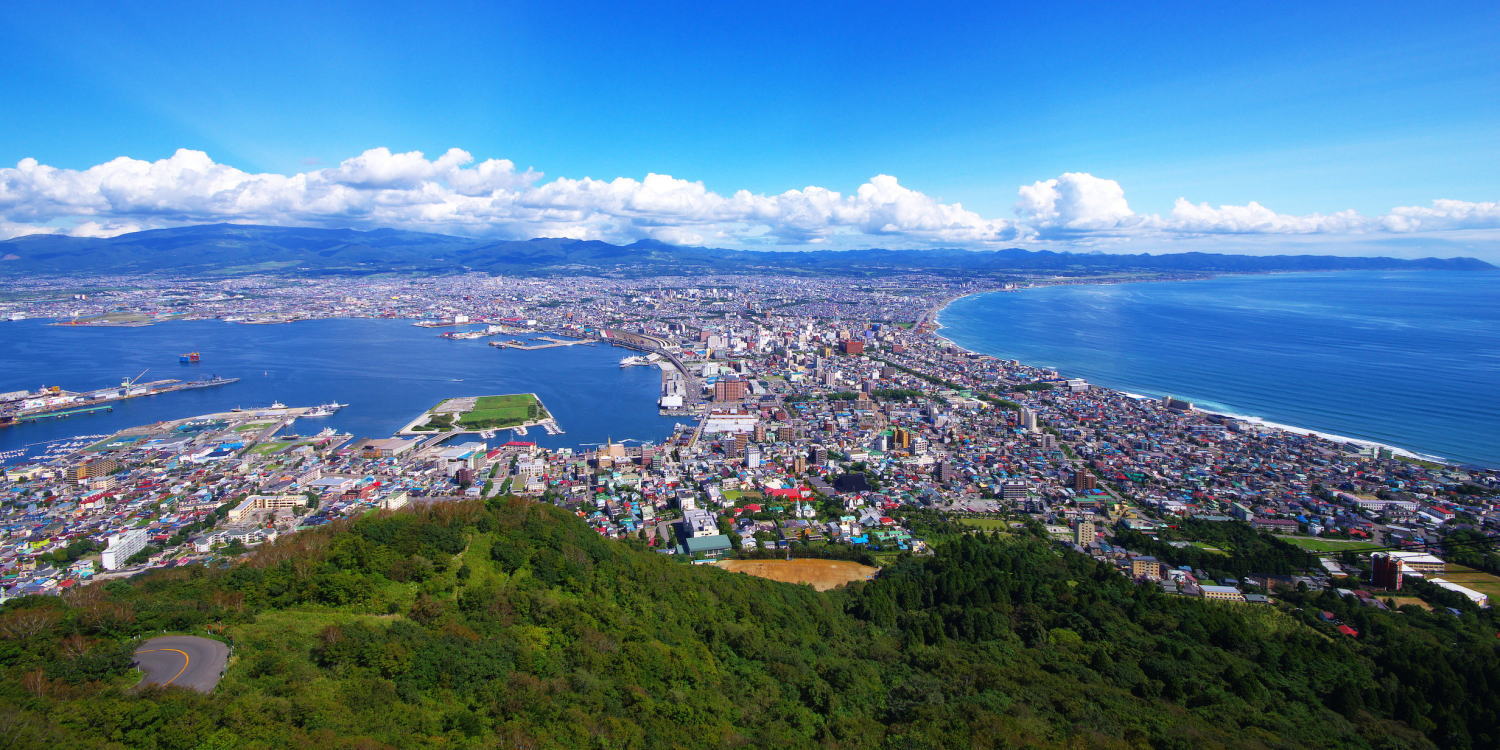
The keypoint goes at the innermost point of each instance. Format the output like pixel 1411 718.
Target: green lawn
pixel 988 524
pixel 252 426
pixel 1206 547
pixel 266 449
pixel 503 411
pixel 1316 544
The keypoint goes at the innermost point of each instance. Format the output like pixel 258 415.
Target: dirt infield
pixel 821 574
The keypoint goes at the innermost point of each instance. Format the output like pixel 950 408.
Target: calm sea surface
pixel 1410 359
pixel 388 371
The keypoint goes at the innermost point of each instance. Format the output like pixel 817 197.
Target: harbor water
pixel 388 371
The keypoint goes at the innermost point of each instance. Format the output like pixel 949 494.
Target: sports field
pixel 820 574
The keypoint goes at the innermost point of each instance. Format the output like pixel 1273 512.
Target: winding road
pixel 182 661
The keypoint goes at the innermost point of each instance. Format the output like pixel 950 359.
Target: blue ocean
pixel 388 371
pixel 1409 359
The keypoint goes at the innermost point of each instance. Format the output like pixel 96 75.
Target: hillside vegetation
pixel 511 624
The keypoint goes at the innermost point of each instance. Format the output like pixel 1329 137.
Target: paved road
pixel 182 661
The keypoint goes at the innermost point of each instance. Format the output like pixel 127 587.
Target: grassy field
pixel 1485 583
pixel 1206 547
pixel 1402 601
pixel 820 574
pixel 503 411
pixel 988 524
pixel 266 449
pixel 1316 544
pixel 252 426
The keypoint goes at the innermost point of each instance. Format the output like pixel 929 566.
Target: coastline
pixel 933 318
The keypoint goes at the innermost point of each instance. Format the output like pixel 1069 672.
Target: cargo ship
pixel 191 358
pixel 26 406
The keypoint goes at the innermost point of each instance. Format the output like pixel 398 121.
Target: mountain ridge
pixel 247 248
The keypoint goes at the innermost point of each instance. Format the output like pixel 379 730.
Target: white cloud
pixel 1443 215
pixel 492 198
pixel 1253 218
pixel 1076 201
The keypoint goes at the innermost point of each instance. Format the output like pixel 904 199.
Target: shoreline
pixel 933 317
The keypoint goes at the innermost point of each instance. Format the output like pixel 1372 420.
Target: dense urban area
pixel 823 419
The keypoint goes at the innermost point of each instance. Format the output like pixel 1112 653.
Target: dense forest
pixel 511 624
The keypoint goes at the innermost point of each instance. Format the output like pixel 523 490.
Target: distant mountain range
pixel 236 249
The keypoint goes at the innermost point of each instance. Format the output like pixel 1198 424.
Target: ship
pixel 325 410
pixel 644 359
pixel 191 358
pixel 274 405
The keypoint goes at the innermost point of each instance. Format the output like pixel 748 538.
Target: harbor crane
pixel 132 381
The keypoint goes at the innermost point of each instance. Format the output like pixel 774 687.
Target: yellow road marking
pixel 185 660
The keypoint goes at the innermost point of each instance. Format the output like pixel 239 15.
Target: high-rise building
pixel 1388 571
pixel 1084 480
pixel 121 547
pixel 729 389
pixel 853 346
pixel 1028 419
pixel 947 472
pixel 1083 532
pixel 1013 490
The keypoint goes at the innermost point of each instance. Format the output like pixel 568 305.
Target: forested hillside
pixel 511 624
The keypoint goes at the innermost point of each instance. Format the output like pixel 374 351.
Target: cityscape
pixel 329 420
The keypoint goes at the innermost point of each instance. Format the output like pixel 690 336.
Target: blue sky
pixel 1304 110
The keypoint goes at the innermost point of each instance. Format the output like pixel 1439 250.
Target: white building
pixel 699 523
pixel 121 547
pixel 1474 596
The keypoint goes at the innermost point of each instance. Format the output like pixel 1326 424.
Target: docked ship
pixel 645 359
pixel 325 410
pixel 274 405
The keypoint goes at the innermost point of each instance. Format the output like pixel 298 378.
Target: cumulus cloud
pixel 1443 215
pixel 1253 218
pixel 493 198
pixel 1075 202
